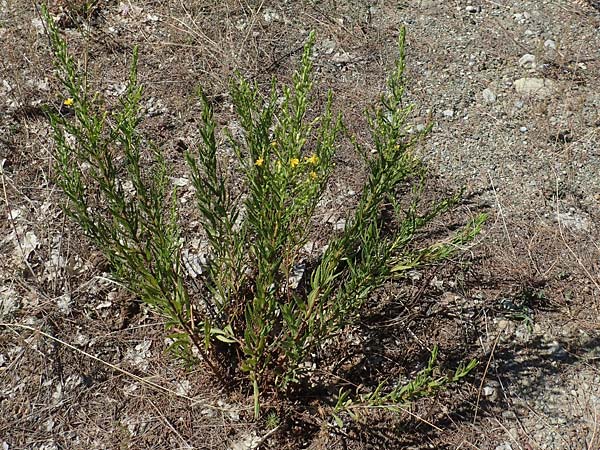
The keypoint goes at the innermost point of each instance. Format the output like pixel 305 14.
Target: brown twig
pixel 487 367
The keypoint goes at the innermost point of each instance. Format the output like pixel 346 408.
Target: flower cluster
pixel 312 160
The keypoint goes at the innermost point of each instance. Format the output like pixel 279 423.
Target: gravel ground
pixel 513 90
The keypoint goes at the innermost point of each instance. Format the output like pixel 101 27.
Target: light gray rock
pixel 491 391
pixel 522 18
pixel 328 46
pixel 270 15
pixel 488 95
pixel 509 415
pixel 342 58
pixel 527 61
pixel 8 302
pixel 538 87
pixel 504 446
pixel 573 221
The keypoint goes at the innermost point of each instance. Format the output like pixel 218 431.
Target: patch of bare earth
pixel 514 93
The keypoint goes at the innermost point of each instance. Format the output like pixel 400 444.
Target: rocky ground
pixel 513 91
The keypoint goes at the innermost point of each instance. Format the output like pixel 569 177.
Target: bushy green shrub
pixel 250 322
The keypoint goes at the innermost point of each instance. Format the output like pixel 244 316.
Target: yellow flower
pixel 314 175
pixel 294 162
pixel 259 162
pixel 313 159
pixel 274 144
pixel 68 101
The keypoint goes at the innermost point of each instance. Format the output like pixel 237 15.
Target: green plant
pixel 425 384
pixel 250 321
pixel 272 420
pixel 521 308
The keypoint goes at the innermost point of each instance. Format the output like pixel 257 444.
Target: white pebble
pixel 527 60
pixel 488 95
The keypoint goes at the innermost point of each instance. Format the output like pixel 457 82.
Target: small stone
pixel 472 9
pixel 339 225
pixel 527 61
pixel 488 95
pixel 342 58
pixel 38 25
pixel 208 412
pixel 328 46
pixel 539 87
pixel 523 129
pixel 556 350
pixel 296 275
pixel 180 182
pixel 573 221
pixel 49 424
pixel 448 113
pixel 509 415
pixel 248 441
pixel 271 16
pixel 9 302
pixel 550 44
pixel 521 18
pixel 491 391
pixel 183 388
pixel 504 446
pixel 437 283
pixel 42 85
pixel 64 303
